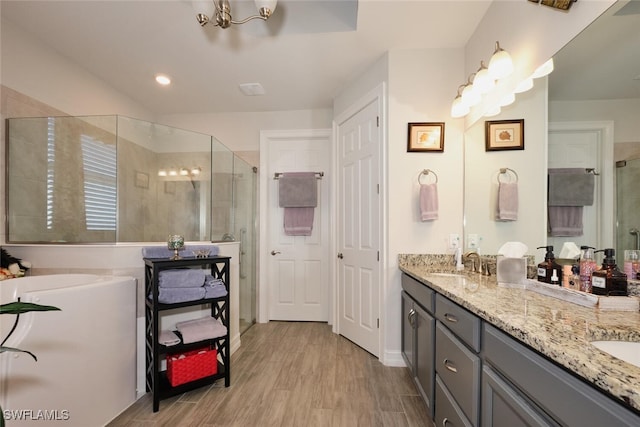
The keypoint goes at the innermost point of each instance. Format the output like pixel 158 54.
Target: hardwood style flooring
pixel 293 374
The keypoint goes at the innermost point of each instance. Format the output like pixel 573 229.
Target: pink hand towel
pixel 428 202
pixel 507 201
pixel 298 221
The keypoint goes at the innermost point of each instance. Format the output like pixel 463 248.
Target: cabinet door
pixel 504 406
pixel 408 331
pixel 424 369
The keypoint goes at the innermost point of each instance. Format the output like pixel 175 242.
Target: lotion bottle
pixel 587 267
pixel 548 266
pixel 609 280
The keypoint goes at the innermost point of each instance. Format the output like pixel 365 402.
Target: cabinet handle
pixel 412 318
pixel 451 318
pixel 449 365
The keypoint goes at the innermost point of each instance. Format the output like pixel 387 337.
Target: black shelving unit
pixel 157 381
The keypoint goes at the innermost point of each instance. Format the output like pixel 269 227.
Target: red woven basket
pixel 194 365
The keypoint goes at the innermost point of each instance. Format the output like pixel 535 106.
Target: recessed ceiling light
pixel 163 79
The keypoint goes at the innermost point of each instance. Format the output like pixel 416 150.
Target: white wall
pixel 623 112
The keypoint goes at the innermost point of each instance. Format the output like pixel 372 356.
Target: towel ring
pixel 427 172
pixel 504 171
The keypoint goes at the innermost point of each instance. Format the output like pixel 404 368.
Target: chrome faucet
pixel 473 254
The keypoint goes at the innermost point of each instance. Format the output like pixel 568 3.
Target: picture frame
pixel 425 137
pixel 141 180
pixel 504 135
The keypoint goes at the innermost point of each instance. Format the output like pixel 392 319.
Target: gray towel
pixel 565 221
pixel 201 329
pixel 181 278
pixel 298 190
pixel 507 201
pixel 163 252
pixel 428 202
pixel 176 295
pixel 214 288
pixel 570 187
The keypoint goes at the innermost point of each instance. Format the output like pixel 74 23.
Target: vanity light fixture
pixel 196 171
pixel 500 65
pixel 493 112
pixel 543 70
pixel 458 108
pixel 173 172
pixel 184 171
pixel 483 82
pixel 524 85
pixel 222 14
pixel 470 95
pixel 162 172
pixel 508 99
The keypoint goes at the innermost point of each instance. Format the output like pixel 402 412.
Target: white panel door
pixel 359 227
pixel 298 266
pixel 579 148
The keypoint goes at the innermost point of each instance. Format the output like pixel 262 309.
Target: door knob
pixel 340 255
pixel 274 252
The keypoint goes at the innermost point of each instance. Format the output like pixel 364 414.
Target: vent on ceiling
pixel 252 89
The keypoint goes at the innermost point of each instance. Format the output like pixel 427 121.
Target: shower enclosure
pixel 628 205
pixel 113 179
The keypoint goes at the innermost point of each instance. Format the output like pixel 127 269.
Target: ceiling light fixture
pixel 163 79
pixel 222 15
pixel 500 65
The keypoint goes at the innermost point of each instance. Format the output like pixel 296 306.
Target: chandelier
pixel 222 16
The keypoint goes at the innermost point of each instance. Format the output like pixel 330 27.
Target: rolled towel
pixel 201 329
pixel 181 278
pixel 209 280
pixel 428 202
pixel 168 338
pixel 176 295
pixel 214 287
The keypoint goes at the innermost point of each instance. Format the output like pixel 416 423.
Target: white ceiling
pixel 303 56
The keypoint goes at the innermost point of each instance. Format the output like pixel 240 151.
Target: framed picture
pixel 426 137
pixel 504 135
pixel 141 180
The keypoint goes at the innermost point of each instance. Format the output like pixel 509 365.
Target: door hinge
pixel 378 255
pixel 378 188
pixel 378 322
pixel 377 121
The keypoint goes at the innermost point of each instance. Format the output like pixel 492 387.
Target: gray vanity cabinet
pixel 418 336
pixel 458 365
pixel 549 389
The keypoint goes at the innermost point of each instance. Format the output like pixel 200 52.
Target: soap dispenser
pixel 609 280
pixel 549 267
pixel 587 267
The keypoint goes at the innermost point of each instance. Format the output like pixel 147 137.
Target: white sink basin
pixel 624 350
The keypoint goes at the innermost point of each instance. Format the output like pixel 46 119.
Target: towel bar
pixel 427 172
pixel 504 171
pixel 277 175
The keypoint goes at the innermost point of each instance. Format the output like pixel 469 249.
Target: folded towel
pixel 163 252
pixel 507 201
pixel 298 190
pixel 214 288
pixel 298 221
pixel 176 295
pixel 201 329
pixel 428 201
pixel 168 338
pixel 570 187
pixel 565 221
pixel 181 278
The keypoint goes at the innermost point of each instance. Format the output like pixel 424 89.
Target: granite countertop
pixel 560 330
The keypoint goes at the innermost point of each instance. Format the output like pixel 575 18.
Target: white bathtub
pixel 86 369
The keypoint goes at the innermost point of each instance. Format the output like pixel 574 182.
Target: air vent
pixel 252 89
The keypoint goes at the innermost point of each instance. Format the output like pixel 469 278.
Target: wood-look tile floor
pixel 293 374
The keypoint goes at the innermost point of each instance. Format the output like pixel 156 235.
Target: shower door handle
pixel 636 232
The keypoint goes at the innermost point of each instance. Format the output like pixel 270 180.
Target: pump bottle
pixel 587 267
pixel 549 267
pixel 609 280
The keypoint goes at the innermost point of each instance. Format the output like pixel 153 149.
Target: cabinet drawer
pixel 459 370
pixel 419 292
pixel 464 324
pixel 448 413
pixel 553 389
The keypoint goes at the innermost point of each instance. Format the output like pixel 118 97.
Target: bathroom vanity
pixel 508 356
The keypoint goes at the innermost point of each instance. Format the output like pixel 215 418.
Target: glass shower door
pixel 628 202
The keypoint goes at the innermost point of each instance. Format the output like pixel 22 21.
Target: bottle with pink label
pixel 587 267
pixel 631 263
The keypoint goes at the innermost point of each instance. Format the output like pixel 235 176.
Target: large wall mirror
pixel 593 101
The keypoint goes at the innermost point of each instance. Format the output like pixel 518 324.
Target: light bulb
pixel 543 70
pixel 184 171
pixel 163 79
pixel 458 108
pixel 524 85
pixel 196 171
pixel 470 96
pixel 500 65
pixel 493 112
pixel 162 172
pixel 483 82
pixel 508 100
